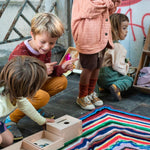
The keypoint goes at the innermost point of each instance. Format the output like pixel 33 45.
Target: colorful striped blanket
pixel 106 128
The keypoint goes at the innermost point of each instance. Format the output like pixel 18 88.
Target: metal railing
pixel 18 15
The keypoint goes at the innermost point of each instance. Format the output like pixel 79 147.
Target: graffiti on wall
pixel 139 16
pixel 128 3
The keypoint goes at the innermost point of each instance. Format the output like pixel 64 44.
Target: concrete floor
pixel 65 103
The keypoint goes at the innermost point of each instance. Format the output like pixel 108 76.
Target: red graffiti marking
pixel 129 2
pixel 129 11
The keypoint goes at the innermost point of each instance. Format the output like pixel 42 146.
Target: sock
pixel 41 112
pixel 92 86
pixel 7 120
pixel 83 90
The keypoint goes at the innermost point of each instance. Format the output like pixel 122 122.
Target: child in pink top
pixel 91 31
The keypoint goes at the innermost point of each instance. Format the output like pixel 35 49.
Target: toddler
pixel 21 77
pixel 91 31
pixel 113 74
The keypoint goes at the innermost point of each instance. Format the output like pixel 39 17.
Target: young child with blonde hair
pixel 21 77
pixel 91 31
pixel 113 74
pixel 46 28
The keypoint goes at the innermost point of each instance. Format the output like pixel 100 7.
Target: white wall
pixel 139 16
pixel 138 13
pixel 6 21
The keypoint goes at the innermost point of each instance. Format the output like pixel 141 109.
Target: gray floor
pixel 64 103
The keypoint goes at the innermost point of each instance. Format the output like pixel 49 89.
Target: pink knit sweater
pixel 90 24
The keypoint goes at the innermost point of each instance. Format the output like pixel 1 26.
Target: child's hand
pixel 48 120
pixel 50 67
pixel 68 65
pixel 116 2
pixel 129 63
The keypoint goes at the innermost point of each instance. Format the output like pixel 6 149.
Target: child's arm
pixel 60 69
pixel 25 106
pixel 116 4
pixel 68 65
pixel 83 9
pixel 118 59
pixel 127 61
pixel 50 67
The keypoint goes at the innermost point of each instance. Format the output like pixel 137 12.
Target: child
pixel 21 77
pixel 92 34
pixel 46 28
pixel 113 74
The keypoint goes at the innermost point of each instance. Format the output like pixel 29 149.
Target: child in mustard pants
pixel 46 28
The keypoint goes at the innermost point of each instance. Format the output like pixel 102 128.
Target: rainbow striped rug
pixel 106 128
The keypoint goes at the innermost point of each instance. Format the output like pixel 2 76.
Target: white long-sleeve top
pixel 23 104
pixel 116 58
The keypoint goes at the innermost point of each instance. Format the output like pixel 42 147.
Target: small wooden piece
pixel 66 126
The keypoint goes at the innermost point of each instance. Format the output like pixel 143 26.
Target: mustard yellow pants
pixel 51 87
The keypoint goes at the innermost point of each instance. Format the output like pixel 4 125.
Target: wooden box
pixel 22 145
pixel 72 53
pixel 45 140
pixel 56 134
pixel 66 126
pixel 42 140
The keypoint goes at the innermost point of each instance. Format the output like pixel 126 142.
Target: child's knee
pixel 64 82
pixel 40 99
pixel 10 141
pixel 6 139
pixel 45 98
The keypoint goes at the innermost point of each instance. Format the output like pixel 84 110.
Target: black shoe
pixel 12 126
pixel 115 92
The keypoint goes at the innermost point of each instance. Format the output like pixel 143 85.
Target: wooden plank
pixel 147 41
pixel 144 61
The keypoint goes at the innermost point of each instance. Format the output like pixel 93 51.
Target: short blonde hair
pixel 47 22
pixel 116 19
pixel 22 76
